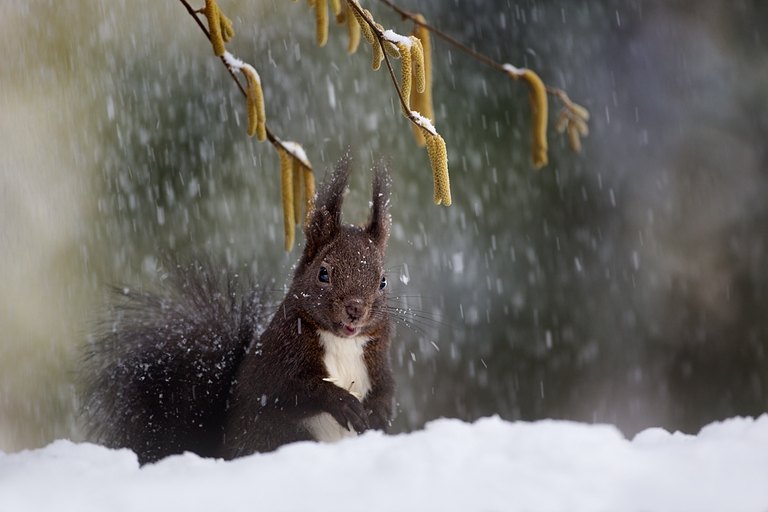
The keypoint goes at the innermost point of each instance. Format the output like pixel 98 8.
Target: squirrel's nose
pixel 354 309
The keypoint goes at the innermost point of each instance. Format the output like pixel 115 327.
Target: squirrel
pixel 187 370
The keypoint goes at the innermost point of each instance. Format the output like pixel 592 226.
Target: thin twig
pixel 270 136
pixel 442 35
pixel 466 49
pixel 380 38
pixel 388 62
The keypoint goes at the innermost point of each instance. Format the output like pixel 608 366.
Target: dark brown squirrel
pixel 186 370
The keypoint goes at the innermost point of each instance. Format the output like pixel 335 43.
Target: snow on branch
pixel 257 117
pixel 395 38
pixel 298 183
pixel 421 100
pixel 414 91
pixel 415 70
pixel 423 122
pixel 572 118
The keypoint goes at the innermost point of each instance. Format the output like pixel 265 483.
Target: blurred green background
pixel 625 285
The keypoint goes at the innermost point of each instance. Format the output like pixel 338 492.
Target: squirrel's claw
pixel 349 412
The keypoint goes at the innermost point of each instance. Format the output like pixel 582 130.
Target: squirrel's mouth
pixel 349 330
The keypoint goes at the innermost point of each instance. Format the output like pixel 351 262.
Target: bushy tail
pixel 158 372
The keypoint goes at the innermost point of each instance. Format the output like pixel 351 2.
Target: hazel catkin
pixel 438 158
pixel 286 188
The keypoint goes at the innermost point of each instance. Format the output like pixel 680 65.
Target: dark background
pixel 624 285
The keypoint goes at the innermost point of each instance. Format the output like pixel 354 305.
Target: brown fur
pixel 186 371
pixel 280 381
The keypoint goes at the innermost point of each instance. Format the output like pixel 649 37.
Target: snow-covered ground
pixel 451 465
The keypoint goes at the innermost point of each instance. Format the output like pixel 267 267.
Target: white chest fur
pixel 345 363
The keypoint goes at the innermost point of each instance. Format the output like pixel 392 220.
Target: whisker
pixel 425 317
pixel 422 334
pixel 414 296
pixel 423 323
pixel 426 323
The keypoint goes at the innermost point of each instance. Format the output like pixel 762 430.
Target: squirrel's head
pixel 339 282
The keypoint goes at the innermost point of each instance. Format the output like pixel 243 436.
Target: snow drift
pixel 489 465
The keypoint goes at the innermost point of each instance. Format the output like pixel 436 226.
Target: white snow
pixel 237 64
pixel 424 122
pixel 513 70
pixel 490 465
pixel 394 37
pixel 295 149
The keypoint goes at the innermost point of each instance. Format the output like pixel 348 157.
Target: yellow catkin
pixel 369 17
pixel 422 102
pixel 365 29
pixel 580 111
pixel 286 188
pixel 298 189
pixel 309 192
pixel 261 126
pixel 378 54
pixel 254 99
pixel 538 98
pixel 213 15
pixel 581 126
pixel 438 158
pixel 261 114
pixel 391 49
pixel 406 73
pixel 321 21
pixel 250 101
pixel 377 57
pixel 227 32
pixel 418 133
pixel 336 7
pixel 417 57
pixel 353 29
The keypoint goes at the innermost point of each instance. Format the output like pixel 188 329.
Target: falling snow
pixel 621 285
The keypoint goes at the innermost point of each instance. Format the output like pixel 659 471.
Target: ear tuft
pixel 325 221
pixel 380 222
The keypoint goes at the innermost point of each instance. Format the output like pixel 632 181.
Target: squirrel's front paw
pixel 348 411
pixel 378 419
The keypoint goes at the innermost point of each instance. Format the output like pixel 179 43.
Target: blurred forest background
pixel 626 285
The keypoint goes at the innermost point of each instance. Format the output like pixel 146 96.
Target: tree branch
pixel 270 136
pixel 377 32
pixel 559 93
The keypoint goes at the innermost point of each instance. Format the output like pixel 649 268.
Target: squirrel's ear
pixel 381 220
pixel 325 221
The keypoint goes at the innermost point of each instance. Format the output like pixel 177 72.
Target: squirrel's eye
pixel 383 283
pixel 323 276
